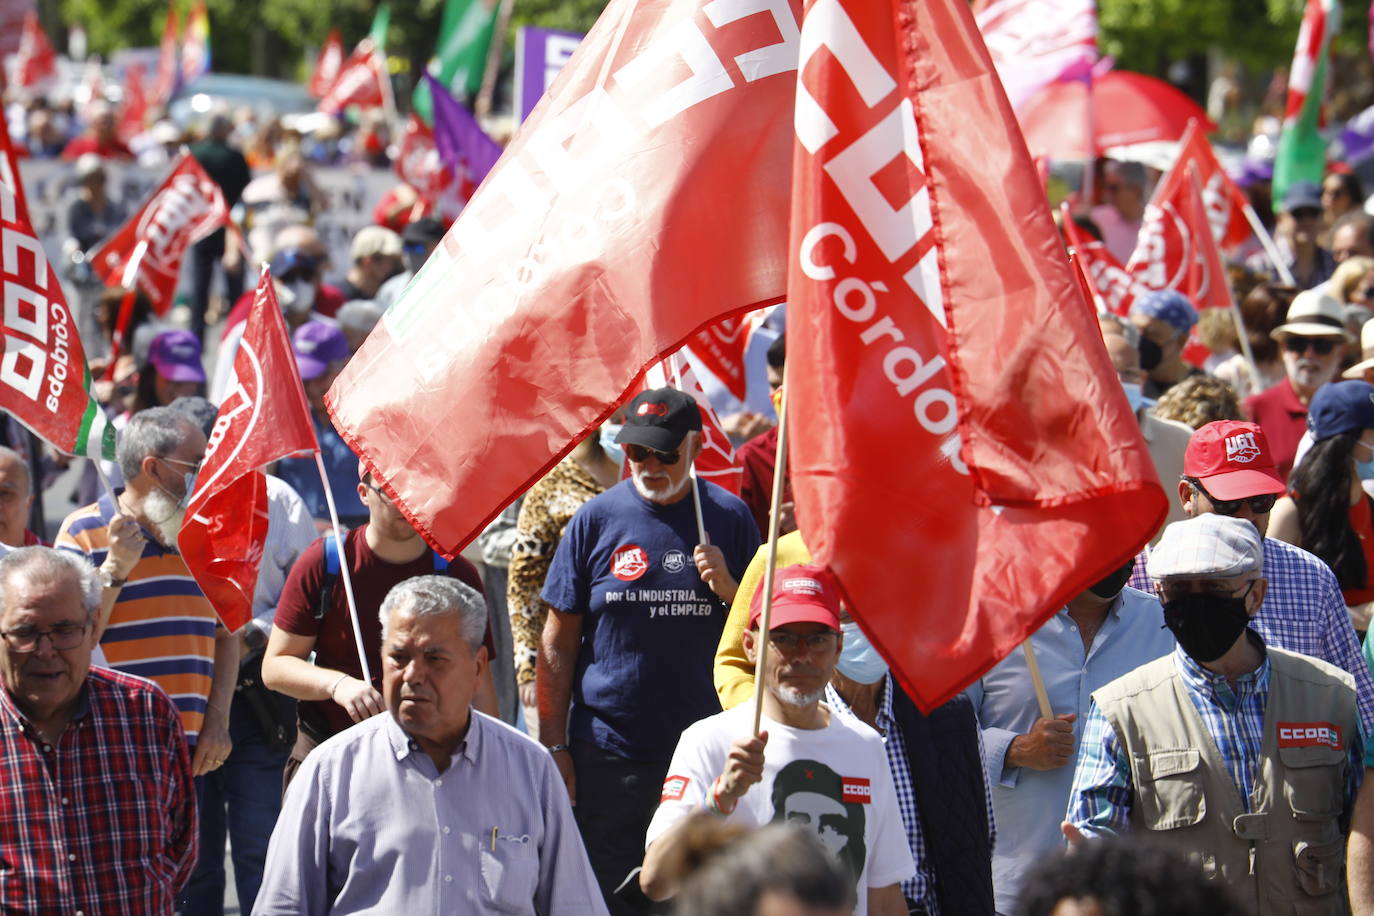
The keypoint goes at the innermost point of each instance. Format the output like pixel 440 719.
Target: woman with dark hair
pixel 1327 510
pixel 1342 192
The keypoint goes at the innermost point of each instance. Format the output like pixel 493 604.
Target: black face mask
pixel 1111 586
pixel 1150 353
pixel 1206 626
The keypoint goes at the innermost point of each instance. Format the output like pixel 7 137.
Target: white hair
pixel 46 563
pixel 434 596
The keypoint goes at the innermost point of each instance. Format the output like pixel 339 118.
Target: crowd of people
pixel 563 720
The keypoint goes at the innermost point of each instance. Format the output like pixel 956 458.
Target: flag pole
pixel 702 537
pixel 481 106
pixel 1041 695
pixel 1270 248
pixel 770 567
pixel 129 280
pixel 104 482
pixel 343 570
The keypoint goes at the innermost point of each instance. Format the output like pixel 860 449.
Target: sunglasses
pixel 1258 504
pixel 1306 213
pixel 1323 345
pixel 639 454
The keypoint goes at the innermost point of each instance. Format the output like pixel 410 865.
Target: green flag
pixel 461 56
pixel 1301 154
pixel 380 23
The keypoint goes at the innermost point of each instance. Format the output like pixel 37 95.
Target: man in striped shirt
pixel 157 623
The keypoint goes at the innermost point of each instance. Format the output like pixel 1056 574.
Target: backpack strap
pixel 440 564
pixel 331 575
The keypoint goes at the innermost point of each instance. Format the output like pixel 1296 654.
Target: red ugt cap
pixel 1233 460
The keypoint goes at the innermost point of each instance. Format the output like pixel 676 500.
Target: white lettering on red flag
pixel 359 81
pixel 958 423
pixel 1114 288
pixel 327 65
pixel 262 418
pixel 641 202
pixel 184 209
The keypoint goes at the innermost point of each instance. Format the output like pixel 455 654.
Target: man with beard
pixel 813 767
pixel 638 604
pixel 156 622
pixel 1313 340
pixel 1239 755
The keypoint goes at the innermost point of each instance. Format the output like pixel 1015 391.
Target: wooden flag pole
pixel 343 571
pixel 770 567
pixel 1041 695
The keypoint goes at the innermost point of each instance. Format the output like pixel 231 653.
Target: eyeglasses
pixel 63 636
pixel 639 454
pixel 788 642
pixel 1258 504
pixel 1323 345
pixel 381 494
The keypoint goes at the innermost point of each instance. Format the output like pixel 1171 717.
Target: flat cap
pixel 1207 547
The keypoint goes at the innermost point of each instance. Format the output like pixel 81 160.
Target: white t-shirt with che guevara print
pixel 834 781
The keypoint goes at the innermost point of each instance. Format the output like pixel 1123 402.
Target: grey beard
pixel 164 514
pixel 789 696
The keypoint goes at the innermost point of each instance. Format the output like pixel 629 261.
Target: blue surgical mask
pixel 608 444
pixel 859 661
pixel 188 478
pixel 1134 394
pixel 1365 469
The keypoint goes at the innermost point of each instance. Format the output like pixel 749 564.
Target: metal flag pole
pixel 343 570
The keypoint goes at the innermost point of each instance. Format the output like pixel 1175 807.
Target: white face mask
pixel 613 450
pixel 1135 394
pixel 859 661
pixel 303 293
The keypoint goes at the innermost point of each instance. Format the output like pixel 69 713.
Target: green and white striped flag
pixel 1302 152
pixel 460 58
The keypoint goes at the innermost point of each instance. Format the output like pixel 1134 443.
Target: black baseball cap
pixel 660 419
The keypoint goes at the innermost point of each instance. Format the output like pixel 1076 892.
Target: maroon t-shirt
pixel 334 645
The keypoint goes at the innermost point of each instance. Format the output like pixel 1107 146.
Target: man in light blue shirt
pixel 434 807
pixel 1104 633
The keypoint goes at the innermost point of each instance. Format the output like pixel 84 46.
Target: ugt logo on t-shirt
pixel 628 562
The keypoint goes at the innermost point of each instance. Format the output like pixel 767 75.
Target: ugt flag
pixel 722 346
pixel 181 211
pixel 36 61
pixel 327 65
pixel 1112 287
pixel 263 417
pixel 960 436
pixel 360 81
pixel 45 383
pixel 598 244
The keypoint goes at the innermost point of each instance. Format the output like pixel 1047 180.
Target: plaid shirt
pixel 1303 611
pixel 921 887
pixel 105 822
pixel 1102 796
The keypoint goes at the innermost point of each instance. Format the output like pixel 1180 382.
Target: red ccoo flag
pixel 959 430
pixel 360 81
pixel 263 417
pixel 327 65
pixel 593 248
pixel 36 60
pixel 184 209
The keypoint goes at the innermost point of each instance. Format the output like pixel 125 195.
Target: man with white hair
pixel 98 813
pixel 347 841
pixel 1240 756
pixel 638 601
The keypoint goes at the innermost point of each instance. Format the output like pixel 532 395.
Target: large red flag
pixel 44 380
pixel 964 460
pixel 184 209
pixel 263 417
pixel 642 200
pixel 1114 288
pixel 327 65
pixel 1225 202
pixel 359 81
pixel 1176 248
pixel 37 61
pixel 168 58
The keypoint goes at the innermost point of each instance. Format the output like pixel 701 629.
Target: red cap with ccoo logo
pixel 801 594
pixel 1232 459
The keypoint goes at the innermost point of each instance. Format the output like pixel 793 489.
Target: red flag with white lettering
pixel 133 110
pixel 641 201
pixel 359 81
pixel 45 383
pixel 722 346
pixel 716 462
pixel 964 460
pixel 37 61
pixel 1114 288
pixel 262 418
pixel 1225 202
pixel 1176 248
pixel 184 209
pixel 9 172
pixel 168 58
pixel 327 65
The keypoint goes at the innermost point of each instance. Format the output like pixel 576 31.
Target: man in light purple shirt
pixel 434 808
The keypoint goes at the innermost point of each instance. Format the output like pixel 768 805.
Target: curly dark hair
pixel 1125 878
pixel 1321 490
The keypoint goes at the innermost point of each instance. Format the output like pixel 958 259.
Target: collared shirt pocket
pixel 1169 788
pixel 510 873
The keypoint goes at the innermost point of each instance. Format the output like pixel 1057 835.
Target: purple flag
pixel 539 57
pixel 462 144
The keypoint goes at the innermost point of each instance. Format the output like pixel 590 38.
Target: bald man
pixel 16 500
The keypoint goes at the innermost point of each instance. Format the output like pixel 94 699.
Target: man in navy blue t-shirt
pixel 638 603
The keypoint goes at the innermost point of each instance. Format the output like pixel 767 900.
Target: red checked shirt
pixel 105 822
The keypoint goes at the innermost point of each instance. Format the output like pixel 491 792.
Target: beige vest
pixel 1286 856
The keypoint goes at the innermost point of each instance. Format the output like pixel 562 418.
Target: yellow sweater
pixel 734 673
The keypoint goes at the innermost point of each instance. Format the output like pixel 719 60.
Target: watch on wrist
pixel 109 580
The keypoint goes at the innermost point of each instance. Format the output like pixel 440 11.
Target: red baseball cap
pixel 1233 460
pixel 801 594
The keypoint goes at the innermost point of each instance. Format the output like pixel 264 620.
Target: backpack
pixel 331 573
